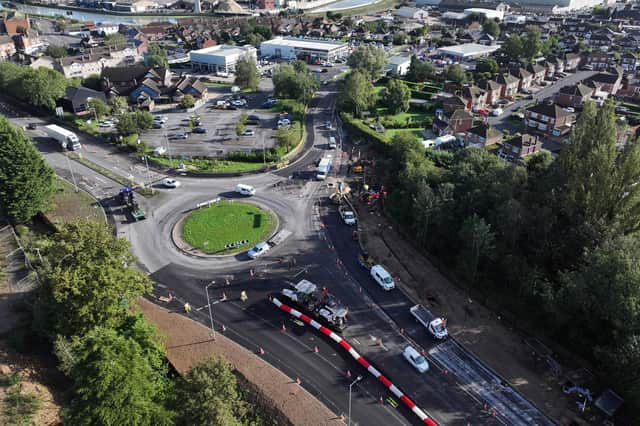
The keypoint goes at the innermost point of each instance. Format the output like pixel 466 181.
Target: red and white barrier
pixel 371 369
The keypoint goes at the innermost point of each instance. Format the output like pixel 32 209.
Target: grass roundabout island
pixel 210 229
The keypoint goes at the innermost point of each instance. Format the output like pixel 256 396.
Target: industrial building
pixel 307 49
pixel 220 59
pixel 468 51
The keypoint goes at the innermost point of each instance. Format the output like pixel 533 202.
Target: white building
pixel 515 19
pixel 412 13
pixel 468 51
pixel 304 48
pixel 487 13
pixel 95 60
pixel 221 58
pixel 398 65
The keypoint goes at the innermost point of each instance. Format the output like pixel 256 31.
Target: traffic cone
pixel 298 381
pixel 251 272
pixel 261 351
pixel 341 417
pixel 226 281
pixel 224 328
pixel 283 328
pixel 348 374
pixel 315 349
pixel 445 371
pixel 224 297
pixel 381 400
pixel 402 331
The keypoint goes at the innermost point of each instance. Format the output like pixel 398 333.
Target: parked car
pixel 158 125
pixel 181 136
pixel 415 359
pixel 32 126
pixel 497 112
pixel 382 277
pixel 159 150
pixel 170 183
pixel 258 250
pixel 248 132
pixel 160 118
pixel 200 130
pixel 106 124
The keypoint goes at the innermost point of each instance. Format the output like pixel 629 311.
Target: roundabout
pixel 226 227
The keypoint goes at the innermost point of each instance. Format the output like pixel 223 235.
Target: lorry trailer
pixel 66 138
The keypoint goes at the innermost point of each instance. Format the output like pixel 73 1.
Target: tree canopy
pixel 420 71
pixel 247 75
pixel 157 56
pixel 397 96
pixel 357 93
pixel 369 59
pixel 26 181
pixel 491 28
pixel 294 81
pixel 454 73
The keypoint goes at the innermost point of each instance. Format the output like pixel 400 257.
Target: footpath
pixel 189 342
pixel 481 331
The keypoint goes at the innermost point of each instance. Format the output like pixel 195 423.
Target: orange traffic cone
pixel 315 349
pixel 224 328
pixel 283 328
pixel 381 400
pixel 298 381
pixel 261 351
pixel 348 374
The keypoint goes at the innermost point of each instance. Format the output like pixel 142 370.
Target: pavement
pixel 320 248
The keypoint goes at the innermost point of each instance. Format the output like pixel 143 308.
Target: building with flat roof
pixel 468 51
pixel 304 48
pixel 221 58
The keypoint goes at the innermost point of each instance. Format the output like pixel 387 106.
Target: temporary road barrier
pixel 371 369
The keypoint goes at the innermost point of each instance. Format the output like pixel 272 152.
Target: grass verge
pixel 209 229
pixel 70 205
pixel 209 165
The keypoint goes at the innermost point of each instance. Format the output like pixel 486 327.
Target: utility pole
pixel 146 162
pixel 206 290
pixel 350 386
pixel 73 176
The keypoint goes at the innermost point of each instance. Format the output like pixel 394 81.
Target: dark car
pixel 32 126
pixel 254 117
pixel 252 122
pixel 324 70
pixel 200 130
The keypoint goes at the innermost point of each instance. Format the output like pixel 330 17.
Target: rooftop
pixel 304 43
pixel 468 49
pixel 222 50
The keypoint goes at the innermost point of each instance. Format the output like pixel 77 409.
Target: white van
pixel 332 143
pixel 247 190
pixel 382 277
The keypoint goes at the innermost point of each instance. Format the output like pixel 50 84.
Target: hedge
pixel 357 127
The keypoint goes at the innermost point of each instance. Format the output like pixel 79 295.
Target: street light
pixel 206 290
pixel 350 386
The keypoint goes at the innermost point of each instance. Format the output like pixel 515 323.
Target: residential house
pixel 76 99
pixel 14 25
pixel 157 86
pixel 474 97
pixel 558 64
pixel 398 65
pixel 538 73
pixel 509 83
pixel 573 96
pixel 548 118
pixel 153 32
pixel 453 103
pixel 519 147
pixel 412 13
pixel 630 41
pixel 630 62
pixel 600 39
pixel 95 60
pixel 482 135
pixel 571 61
pixel 525 78
pixel 550 68
pixel 120 81
pixel 455 123
pixel 606 81
pixel 598 60
pixel 7 47
pixel 493 90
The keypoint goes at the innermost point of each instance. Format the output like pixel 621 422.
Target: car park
pixel 200 130
pixel 415 359
pixel 170 183
pixel 258 250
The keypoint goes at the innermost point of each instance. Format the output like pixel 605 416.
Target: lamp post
pixel 350 386
pixel 206 290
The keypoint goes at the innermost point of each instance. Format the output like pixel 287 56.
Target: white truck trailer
pixel 66 138
pixel 436 326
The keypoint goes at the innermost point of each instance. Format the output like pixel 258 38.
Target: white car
pixel 382 277
pixel 258 250
pixel 248 132
pixel 497 112
pixel 161 119
pixel 415 359
pixel 106 124
pixel 160 150
pixel 348 217
pixel 570 109
pixel 170 183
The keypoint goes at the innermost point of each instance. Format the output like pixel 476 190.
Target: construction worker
pixel 187 308
pixel 243 296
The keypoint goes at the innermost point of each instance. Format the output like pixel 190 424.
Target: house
pixel 493 90
pixel 157 86
pixel 598 60
pixel 453 103
pixel 630 62
pixel 519 147
pixel 600 39
pixel 548 118
pixel 525 78
pixel 398 65
pixel 550 68
pixel 571 61
pixel 630 41
pixel 412 13
pixel 474 97
pixel 76 99
pixel 14 25
pixel 606 81
pixel 459 121
pixel 120 81
pixel 153 32
pixel 7 47
pixel 482 135
pixel 538 73
pixel 558 64
pixel 573 96
pixel 95 60
pixel 509 85
pixel 487 39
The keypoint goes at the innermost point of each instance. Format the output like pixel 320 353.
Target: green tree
pixel 454 73
pixel 369 59
pixel 294 82
pixel 531 44
pixel 491 28
pixel 56 52
pixel 487 65
pixel 101 109
pixel 42 87
pixel 397 96
pixel 26 182
pixel 419 71
pixel 357 93
pixel 115 384
pixel 118 104
pixel 92 82
pixel 247 75
pixel 254 39
pixel 115 39
pixel 90 281
pixel 157 56
pixel 513 48
pixel 477 241
pixel 187 101
pixel 290 137
pixel 209 396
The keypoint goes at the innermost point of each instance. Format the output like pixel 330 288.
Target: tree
pixel 115 39
pixel 187 101
pixel 254 39
pixel 133 122
pixel 513 47
pixel 397 96
pixel 531 44
pixel 247 75
pixel 208 396
pixel 156 56
pixel 491 28
pixel 419 71
pixel 92 82
pixel 357 93
pixel 101 109
pixel 477 241
pixel 42 87
pixel 26 182
pixel 290 137
pixel 115 384
pixel 369 59
pixel 294 81
pixel 454 73
pixel 487 65
pixel 90 280
pixel 56 52
pixel 118 104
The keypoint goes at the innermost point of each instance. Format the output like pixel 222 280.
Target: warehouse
pixel 306 49
pixel 468 51
pixel 220 59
